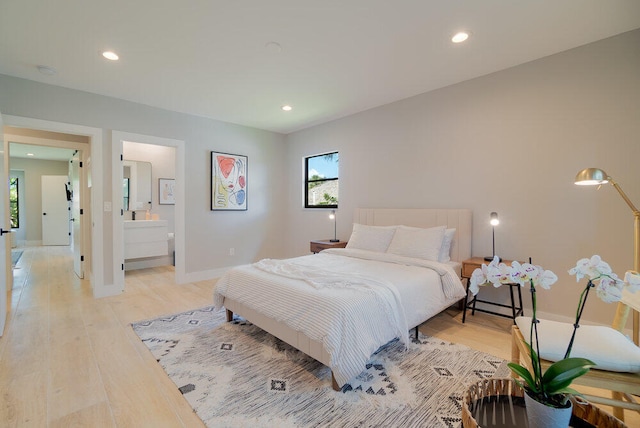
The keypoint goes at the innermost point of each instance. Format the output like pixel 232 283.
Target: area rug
pixel 236 375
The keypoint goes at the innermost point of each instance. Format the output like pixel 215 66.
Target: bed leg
pixel 334 384
pixel 416 333
pixel 229 315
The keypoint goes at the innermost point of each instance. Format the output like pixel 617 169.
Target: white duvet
pixel 351 301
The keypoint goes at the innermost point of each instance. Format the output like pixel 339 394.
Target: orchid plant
pixel 552 386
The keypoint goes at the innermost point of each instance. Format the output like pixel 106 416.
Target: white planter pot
pixel 543 416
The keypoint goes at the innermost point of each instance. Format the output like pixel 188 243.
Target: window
pixel 13 203
pixel 321 181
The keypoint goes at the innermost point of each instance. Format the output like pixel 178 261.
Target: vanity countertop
pixel 129 224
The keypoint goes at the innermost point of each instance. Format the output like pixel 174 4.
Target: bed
pixel 339 306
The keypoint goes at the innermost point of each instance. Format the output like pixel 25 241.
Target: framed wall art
pixel 228 182
pixel 166 187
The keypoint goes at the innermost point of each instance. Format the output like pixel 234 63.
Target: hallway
pixel 67 359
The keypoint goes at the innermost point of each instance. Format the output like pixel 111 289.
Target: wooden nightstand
pixel 468 266
pixel 323 244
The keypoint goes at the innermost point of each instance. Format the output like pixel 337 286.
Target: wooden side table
pixel 468 266
pixel 502 401
pixel 323 244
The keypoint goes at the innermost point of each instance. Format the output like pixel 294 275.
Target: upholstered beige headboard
pixel 460 219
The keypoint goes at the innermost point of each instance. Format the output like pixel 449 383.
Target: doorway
pixel 117 144
pixel 88 142
pixel 46 160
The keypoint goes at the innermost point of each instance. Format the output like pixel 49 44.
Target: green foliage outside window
pixel 321 180
pixel 13 203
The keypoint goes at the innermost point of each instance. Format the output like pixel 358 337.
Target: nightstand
pixel 323 244
pixel 468 266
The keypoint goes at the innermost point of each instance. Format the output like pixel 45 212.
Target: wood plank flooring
pixel 67 359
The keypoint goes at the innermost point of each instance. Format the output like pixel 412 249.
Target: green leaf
pixel 561 373
pixel 524 374
pixel 535 363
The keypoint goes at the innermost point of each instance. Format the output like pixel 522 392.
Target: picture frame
pixel 166 189
pixel 228 182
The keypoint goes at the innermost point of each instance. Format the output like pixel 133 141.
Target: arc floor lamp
pixel 596 176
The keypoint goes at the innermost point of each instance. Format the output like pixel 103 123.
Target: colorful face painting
pixel 228 182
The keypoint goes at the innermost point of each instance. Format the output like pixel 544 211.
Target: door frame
pixel 117 139
pixel 93 229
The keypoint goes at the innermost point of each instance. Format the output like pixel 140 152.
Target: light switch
pixel 107 206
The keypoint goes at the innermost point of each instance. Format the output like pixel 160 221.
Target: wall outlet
pixel 232 251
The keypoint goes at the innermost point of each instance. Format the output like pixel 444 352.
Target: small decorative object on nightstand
pixel 323 244
pixel 468 266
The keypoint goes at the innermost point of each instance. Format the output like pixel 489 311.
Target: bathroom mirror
pixel 136 185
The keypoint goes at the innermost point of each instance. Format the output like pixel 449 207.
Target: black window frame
pixel 307 181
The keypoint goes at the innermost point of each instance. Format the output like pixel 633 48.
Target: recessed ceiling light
pixel 110 55
pixel 45 69
pixel 30 154
pixel 287 108
pixel 460 37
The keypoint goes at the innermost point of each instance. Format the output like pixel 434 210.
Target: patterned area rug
pixel 236 375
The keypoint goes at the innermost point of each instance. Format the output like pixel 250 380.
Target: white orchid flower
pixel 546 279
pixel 591 268
pixel 609 289
pixel 498 274
pixel 519 273
pixel 632 280
pixel 478 277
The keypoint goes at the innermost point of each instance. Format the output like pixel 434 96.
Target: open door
pixel 5 228
pixel 76 218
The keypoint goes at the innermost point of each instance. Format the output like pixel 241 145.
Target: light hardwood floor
pixel 67 359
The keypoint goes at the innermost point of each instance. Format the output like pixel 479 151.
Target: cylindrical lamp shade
pixel 494 219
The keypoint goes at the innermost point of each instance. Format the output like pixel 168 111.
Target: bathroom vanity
pixel 146 238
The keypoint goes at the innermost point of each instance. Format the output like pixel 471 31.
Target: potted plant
pixel 552 387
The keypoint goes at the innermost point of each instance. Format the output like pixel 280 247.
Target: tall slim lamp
pixel 494 222
pixel 332 216
pixel 596 176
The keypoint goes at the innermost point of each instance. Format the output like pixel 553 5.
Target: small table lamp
pixel 332 216
pixel 494 222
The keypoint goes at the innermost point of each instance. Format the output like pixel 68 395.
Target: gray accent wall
pixel 254 234
pixel 510 142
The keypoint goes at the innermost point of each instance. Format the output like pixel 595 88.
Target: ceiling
pixel 240 61
pixel 29 151
pixel 42 145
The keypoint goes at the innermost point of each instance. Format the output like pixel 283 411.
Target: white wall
pixel 510 142
pixel 34 169
pixel 255 233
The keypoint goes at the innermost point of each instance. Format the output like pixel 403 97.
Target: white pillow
pixel 605 346
pixel 371 238
pixel 445 250
pixel 417 242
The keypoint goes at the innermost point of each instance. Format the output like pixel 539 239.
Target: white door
pixel 76 218
pixel 5 240
pixel 55 210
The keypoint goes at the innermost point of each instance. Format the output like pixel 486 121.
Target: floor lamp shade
pixel 596 176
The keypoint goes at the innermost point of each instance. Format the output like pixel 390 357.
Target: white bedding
pixel 351 301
